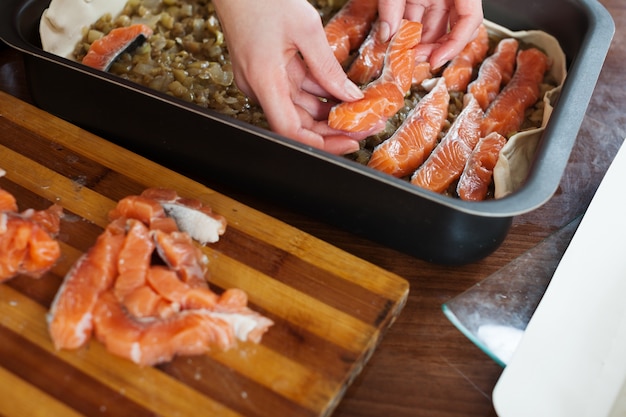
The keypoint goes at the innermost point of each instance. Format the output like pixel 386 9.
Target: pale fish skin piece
pixel 62 23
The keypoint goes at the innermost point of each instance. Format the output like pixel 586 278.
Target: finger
pixel 316 107
pixel 454 42
pixel 435 24
pixel 465 19
pixel 390 13
pixel 325 69
pixel 332 141
pixel 414 12
pixel 283 116
pixel 340 145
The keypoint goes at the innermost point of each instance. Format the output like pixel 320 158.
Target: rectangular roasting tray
pixel 212 147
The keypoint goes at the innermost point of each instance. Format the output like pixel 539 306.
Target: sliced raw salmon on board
pixel 459 71
pixel 445 164
pixel 149 310
pixel 506 114
pixel 495 72
pixel 70 316
pixel 28 243
pixel 478 172
pixel 105 50
pixel 416 137
pixel 384 96
pixel 347 29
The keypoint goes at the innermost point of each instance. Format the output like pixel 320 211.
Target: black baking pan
pixel 212 147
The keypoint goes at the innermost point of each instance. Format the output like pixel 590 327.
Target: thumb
pixel 326 70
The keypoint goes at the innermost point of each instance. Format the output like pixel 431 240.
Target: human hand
pixel 438 45
pixel 282 60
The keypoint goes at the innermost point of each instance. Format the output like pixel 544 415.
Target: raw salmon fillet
pixel 459 71
pixel 495 71
pixel 150 312
pixel 347 29
pixel 416 137
pixel 421 72
pixel 28 243
pixel 103 51
pixel 70 316
pixel 478 172
pixel 445 164
pixel 383 97
pixel 368 64
pixel 506 113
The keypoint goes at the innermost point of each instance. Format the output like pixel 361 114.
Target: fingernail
pixel 384 32
pixel 441 61
pixel 353 90
pixel 421 58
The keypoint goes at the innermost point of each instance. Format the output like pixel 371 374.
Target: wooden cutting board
pixel 331 308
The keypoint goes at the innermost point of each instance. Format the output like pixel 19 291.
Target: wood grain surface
pixel 424 366
pixel 331 308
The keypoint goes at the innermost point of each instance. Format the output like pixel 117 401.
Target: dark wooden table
pixel 425 366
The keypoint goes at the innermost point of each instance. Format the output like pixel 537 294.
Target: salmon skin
pixel 103 52
pixel 459 71
pixel 383 97
pixel 146 311
pixel 445 164
pixel 28 244
pixel 495 71
pixel 478 172
pixel 416 137
pixel 347 29
pixel 506 114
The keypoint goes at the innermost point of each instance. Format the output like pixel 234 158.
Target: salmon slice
pixel 459 71
pixel 478 172
pixel 347 29
pixel 141 208
pixel 168 285
pixel 495 71
pixel 49 219
pixel 42 253
pixel 191 332
pixel 380 101
pixel 179 253
pixel 416 137
pixel 28 243
pixel 506 114
pixel 25 247
pixel 144 302
pixel 368 64
pixel 103 52
pixel 383 97
pixel 421 72
pixel 70 316
pixel 445 164
pixel 133 259
pixel 151 341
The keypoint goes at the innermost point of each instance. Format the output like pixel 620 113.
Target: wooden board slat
pixel 330 308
